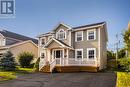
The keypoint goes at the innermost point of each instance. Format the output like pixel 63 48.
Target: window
pixel 42 41
pixel 79 54
pixel 1 55
pixel 79 36
pixel 61 34
pixel 42 55
pixel 91 34
pixel 91 53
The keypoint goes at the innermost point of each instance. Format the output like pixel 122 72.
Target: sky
pixel 34 17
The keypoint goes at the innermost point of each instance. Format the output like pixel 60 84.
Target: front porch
pixel 61 57
pixel 68 65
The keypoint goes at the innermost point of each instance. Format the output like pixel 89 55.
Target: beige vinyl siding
pixel 71 54
pixel 103 43
pixel 53 45
pixel 87 44
pixel 28 47
pixel 67 33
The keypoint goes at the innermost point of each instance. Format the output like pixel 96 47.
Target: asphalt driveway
pixel 63 80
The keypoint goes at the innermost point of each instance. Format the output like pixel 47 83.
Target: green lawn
pixel 123 79
pixel 5 75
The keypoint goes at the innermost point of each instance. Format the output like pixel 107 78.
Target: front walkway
pixel 63 80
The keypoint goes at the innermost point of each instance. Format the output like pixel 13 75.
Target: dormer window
pixel 61 34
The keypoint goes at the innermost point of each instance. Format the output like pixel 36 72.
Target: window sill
pixel 92 40
pixel 79 41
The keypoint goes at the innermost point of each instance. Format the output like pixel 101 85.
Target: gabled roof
pixel 88 25
pixel 80 27
pixel 52 32
pixel 17 44
pixel 61 24
pixel 13 35
pixel 59 42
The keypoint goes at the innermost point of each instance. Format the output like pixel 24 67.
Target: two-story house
pixel 16 43
pixel 70 49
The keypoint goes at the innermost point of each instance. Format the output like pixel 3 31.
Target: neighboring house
pixel 17 43
pixel 70 49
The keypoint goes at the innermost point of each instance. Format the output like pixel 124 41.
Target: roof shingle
pixel 9 34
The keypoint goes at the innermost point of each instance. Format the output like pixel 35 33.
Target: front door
pixel 58 54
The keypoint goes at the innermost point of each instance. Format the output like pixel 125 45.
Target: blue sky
pixel 34 17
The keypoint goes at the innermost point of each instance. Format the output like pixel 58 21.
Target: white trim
pixel 86 28
pixel 76 36
pixel 94 30
pixel 58 32
pixel 61 24
pixel 99 42
pixel 54 40
pixel 69 38
pixel 41 41
pixel 57 42
pixel 94 54
pixel 76 54
pixel 2 35
pixel 55 54
pixel 67 53
pixel 23 43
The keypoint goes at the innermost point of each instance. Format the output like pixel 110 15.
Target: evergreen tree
pixel 8 62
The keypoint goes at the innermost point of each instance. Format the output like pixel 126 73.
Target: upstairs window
pixel 42 41
pixel 91 34
pixel 91 53
pixel 61 34
pixel 79 36
pixel 42 55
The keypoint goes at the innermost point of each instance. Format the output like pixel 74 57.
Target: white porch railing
pixel 41 63
pixel 74 62
pixel 52 65
pixel 68 62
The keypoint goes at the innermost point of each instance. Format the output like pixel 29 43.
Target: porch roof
pixel 62 44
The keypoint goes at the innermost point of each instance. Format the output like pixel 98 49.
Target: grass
pixel 9 75
pixel 123 79
pixel 4 76
pixel 20 70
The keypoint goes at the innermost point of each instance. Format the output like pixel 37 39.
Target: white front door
pixel 58 55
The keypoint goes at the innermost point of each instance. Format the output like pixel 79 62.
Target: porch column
pixel 63 62
pixel 67 56
pixel 48 55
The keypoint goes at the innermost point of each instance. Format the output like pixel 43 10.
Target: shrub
pixel 111 64
pixel 25 59
pixel 37 65
pixel 7 62
pixel 111 55
pixel 124 64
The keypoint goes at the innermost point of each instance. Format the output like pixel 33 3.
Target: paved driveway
pixel 63 80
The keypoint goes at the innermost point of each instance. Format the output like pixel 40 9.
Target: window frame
pixel 76 36
pixel 42 55
pixel 41 41
pixel 76 54
pixel 59 33
pixel 88 49
pixel 94 30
